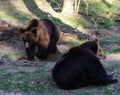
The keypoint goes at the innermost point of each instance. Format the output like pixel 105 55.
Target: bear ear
pixel 34 31
pixel 96 40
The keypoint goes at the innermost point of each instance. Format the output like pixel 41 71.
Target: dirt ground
pixel 12 47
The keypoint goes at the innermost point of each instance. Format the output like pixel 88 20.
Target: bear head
pixel 29 37
pixel 95 47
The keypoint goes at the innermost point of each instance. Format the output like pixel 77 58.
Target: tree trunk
pixel 68 6
pixel 71 6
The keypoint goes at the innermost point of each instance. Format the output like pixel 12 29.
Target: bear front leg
pixel 30 51
pixel 52 48
pixel 42 53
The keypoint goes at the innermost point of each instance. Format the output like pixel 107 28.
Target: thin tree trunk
pixel 71 6
pixel 68 7
pixel 78 4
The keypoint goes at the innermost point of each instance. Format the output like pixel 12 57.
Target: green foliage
pixel 100 10
pixel 95 9
pixel 56 5
pixel 75 42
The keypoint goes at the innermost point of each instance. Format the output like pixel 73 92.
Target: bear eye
pixel 34 31
pixel 23 40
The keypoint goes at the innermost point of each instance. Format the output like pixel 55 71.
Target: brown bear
pixel 40 38
pixel 80 67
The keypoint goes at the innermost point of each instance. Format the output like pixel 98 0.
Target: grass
pixel 74 21
pixel 11 56
pixel 40 80
pixel 102 10
pixel 113 42
pixel 104 42
pixel 115 49
pixel 111 39
pixel 73 43
pixel 107 91
pixel 9 11
pixel 25 81
pixel 113 66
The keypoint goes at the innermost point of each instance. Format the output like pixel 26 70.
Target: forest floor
pixel 23 77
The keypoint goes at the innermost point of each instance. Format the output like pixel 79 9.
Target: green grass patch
pixel 3 69
pixel 10 12
pixel 112 43
pixel 73 21
pixel 101 10
pixel 81 93
pixel 34 9
pixel 5 82
pixel 107 90
pixel 25 81
pixel 41 81
pixel 110 39
pixel 11 57
pixel 112 89
pixel 75 42
pixel 114 50
pixel 113 66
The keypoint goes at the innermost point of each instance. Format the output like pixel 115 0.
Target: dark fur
pixel 81 67
pixel 41 34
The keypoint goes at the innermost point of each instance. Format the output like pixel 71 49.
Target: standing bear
pixel 40 38
pixel 80 67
